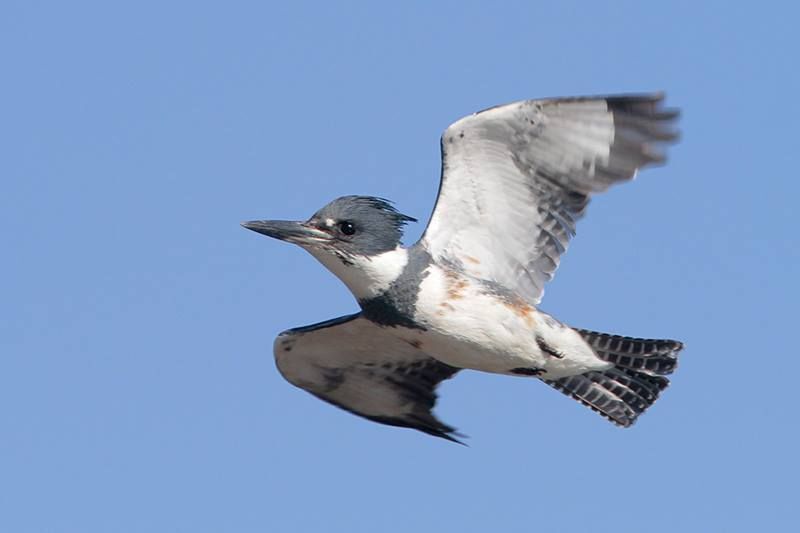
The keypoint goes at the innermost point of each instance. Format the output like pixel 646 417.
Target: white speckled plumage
pixel 467 326
pixel 515 180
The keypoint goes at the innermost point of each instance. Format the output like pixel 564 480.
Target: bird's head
pixel 352 236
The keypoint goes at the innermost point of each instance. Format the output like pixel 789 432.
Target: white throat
pixel 366 277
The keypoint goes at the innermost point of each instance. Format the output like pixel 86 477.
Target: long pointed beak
pixel 289 231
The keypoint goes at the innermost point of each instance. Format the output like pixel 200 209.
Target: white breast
pixel 470 327
pixel 366 277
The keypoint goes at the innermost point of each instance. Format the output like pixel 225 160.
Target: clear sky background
pixel 138 391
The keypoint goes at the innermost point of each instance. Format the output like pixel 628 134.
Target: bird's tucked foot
pixel 549 350
pixel 528 371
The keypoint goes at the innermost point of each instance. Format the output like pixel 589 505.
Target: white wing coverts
pixel 516 178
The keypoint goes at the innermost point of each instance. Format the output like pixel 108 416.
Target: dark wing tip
pixel 643 106
pixel 643 127
pixel 425 423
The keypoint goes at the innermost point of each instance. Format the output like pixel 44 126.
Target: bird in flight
pixel 515 180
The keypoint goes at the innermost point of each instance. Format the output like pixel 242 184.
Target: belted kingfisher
pixel 515 180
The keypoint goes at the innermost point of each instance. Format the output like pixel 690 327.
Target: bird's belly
pixel 468 326
pixel 488 353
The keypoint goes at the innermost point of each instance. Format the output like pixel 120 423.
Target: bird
pixel 514 181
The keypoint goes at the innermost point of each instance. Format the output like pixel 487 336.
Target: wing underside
pixel 516 179
pixel 363 368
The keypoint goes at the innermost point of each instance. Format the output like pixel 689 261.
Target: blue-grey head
pixel 347 228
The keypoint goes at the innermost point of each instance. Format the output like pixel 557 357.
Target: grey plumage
pixel 395 307
pixel 378 225
pixel 515 181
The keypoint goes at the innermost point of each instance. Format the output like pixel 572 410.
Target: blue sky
pixel 137 387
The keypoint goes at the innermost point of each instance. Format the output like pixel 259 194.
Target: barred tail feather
pixel 626 390
pixel 651 356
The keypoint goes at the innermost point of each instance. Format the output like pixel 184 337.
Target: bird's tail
pixel 633 384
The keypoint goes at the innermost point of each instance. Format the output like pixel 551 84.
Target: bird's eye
pixel 346 227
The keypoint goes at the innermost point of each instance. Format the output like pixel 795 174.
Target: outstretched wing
pixel 516 178
pixel 362 368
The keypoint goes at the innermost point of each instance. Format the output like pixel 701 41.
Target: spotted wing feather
pixel 516 178
pixel 362 368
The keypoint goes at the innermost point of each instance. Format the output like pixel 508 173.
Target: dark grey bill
pixel 287 230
